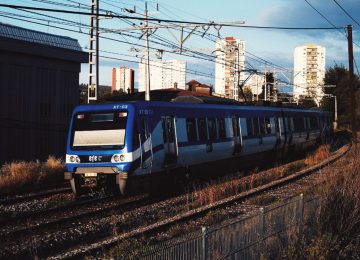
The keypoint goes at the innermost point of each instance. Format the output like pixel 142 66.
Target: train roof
pixel 184 104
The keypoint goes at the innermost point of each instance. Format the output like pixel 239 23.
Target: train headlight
pixel 118 158
pixel 72 159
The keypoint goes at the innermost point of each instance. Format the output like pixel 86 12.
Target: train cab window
pixel 201 123
pixel 250 127
pixel 256 126
pixel 212 128
pixel 221 128
pixel 191 129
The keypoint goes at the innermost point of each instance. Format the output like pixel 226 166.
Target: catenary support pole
pixel 352 85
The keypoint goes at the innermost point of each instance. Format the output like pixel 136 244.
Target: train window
pixel 268 125
pixel 314 123
pixel 250 127
pixel 201 123
pixel 243 127
pixel 262 125
pixel 299 124
pixel 191 129
pixel 291 124
pixel 256 126
pixel 221 128
pixel 212 128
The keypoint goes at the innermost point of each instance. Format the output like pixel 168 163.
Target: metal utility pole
pixel 147 65
pixel 265 87
pixel 335 118
pixel 352 85
pixel 93 85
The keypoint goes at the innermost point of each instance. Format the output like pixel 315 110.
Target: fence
pixel 253 237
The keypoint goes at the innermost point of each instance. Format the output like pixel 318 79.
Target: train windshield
pixel 101 130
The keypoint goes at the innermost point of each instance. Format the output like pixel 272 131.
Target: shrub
pixel 20 177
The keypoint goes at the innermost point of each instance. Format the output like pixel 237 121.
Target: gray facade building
pixel 39 86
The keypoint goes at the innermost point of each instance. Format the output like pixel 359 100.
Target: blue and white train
pixel 123 142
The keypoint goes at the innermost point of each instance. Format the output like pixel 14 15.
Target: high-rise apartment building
pixel 163 74
pixel 229 63
pixel 123 80
pixel 309 72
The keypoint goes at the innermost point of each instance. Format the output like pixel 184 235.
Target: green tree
pixel 338 75
pixel 248 93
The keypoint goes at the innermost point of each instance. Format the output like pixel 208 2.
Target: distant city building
pixel 163 74
pixel 309 72
pixel 230 60
pixel 123 80
pixel 196 86
pixel 39 87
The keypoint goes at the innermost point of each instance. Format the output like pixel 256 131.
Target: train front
pixel 98 149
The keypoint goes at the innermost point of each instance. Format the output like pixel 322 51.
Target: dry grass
pixel 19 177
pixel 321 154
pixel 236 184
pixel 336 233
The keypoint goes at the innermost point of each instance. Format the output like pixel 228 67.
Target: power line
pixel 261 60
pixel 164 20
pixel 131 61
pixel 346 12
pixel 171 45
pixel 342 32
pixel 323 16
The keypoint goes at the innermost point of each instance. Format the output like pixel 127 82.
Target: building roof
pixel 19 33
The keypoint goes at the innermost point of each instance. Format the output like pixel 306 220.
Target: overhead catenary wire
pixel 352 18
pixel 261 61
pixel 165 20
pixel 107 57
pixel 193 56
pixel 206 58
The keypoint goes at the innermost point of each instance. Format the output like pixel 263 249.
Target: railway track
pixel 76 217
pixel 107 242
pixel 96 224
pixel 32 196
pixel 32 215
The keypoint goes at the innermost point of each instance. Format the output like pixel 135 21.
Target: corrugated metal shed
pixel 18 33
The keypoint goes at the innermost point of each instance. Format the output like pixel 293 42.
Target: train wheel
pixel 121 180
pixel 122 186
pixel 76 185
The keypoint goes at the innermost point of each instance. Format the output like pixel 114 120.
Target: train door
pixel 170 141
pixel 237 135
pixel 146 155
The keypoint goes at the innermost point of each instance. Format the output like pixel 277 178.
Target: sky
pixel 271 45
